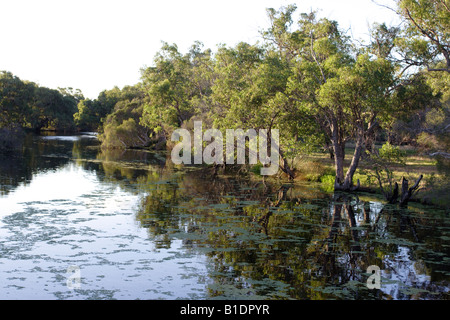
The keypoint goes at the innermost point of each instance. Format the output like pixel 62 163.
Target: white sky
pixel 95 45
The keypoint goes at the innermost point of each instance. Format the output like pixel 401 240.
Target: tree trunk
pixel 339 153
pixel 339 156
pixel 329 148
pixel 284 166
pixel 346 183
pixel 359 147
pixel 392 198
pixel 407 193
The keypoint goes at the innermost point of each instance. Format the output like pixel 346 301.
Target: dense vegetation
pixel 323 90
pixel 27 105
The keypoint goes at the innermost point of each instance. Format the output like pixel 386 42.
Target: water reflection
pixel 289 242
pixel 133 216
pixel 273 242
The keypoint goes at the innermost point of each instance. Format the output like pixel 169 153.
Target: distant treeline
pixel 27 105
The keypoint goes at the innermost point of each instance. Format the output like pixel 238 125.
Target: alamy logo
pixel 74 279
pixel 213 153
pixel 374 281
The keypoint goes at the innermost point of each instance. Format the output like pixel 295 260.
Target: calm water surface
pixel 131 226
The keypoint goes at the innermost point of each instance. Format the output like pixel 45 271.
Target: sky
pixel 95 45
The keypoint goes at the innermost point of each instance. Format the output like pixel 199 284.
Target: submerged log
pixel 407 193
pixel 394 196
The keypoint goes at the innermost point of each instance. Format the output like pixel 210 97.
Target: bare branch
pixel 443 154
pixel 441 69
pixel 315 59
pixel 384 6
pixel 414 187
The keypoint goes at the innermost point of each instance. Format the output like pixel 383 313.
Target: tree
pixel 31 106
pixel 382 163
pixel 15 96
pixel 343 91
pixel 177 88
pixel 249 93
pixel 426 35
pixel 121 128
pixel 87 117
pixel 91 113
pixel 352 102
pixel 434 136
pixel 51 110
pixel 170 88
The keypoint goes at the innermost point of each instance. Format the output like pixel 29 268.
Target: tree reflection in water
pixel 290 241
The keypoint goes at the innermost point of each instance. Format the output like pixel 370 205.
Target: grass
pixel 313 169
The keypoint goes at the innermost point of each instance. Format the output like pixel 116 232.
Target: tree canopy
pixel 31 106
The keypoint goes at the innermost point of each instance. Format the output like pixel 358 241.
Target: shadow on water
pixel 261 239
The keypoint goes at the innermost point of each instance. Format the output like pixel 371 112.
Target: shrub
pixel 327 182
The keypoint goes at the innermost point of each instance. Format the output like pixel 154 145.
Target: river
pixel 77 222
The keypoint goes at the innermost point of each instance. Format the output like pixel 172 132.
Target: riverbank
pixel 433 190
pixel 318 168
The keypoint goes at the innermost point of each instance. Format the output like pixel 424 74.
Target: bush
pixel 256 168
pixel 327 182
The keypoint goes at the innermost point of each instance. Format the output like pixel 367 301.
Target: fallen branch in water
pixel 407 193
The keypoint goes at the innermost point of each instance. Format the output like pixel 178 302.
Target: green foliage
pixel 122 128
pixel 176 87
pixel 341 91
pixel 434 136
pixel 307 79
pixel 256 169
pixel 15 99
pixel 426 36
pixel 391 154
pixel 30 106
pixel 92 113
pixel 327 182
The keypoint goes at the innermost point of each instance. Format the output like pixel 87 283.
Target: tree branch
pixel 414 187
pixel 315 59
pixel 443 154
pixel 441 69
pixel 424 32
pixel 445 5
pixel 385 6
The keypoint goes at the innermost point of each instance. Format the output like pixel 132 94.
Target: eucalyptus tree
pixel 28 105
pixel 15 95
pixel 176 85
pixel 91 114
pixel 121 128
pixel 51 110
pixel 426 42
pixel 343 90
pixel 248 93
